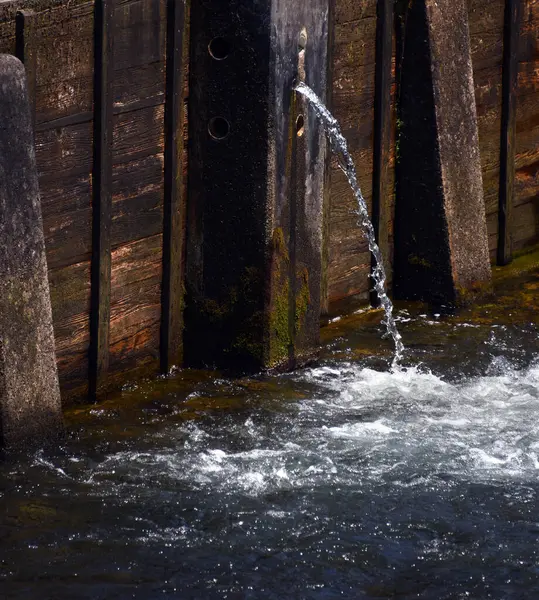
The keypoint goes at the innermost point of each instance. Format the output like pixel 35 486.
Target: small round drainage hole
pixel 300 126
pixel 219 48
pixel 219 128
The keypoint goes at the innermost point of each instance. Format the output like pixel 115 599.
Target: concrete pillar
pixel 441 252
pixel 256 175
pixel 30 407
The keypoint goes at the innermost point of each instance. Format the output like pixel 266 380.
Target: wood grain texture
pixel 513 12
pixel 175 204
pixel 136 305
pixel 137 203
pixel 138 134
pixel 139 52
pixel 102 198
pixel 353 72
pixel 526 187
pixel 486 21
pixel 70 296
pixel 382 184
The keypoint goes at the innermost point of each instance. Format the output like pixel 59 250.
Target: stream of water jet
pixel 340 149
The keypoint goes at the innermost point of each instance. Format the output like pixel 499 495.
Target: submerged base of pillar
pixel 30 406
pixel 441 253
pixel 256 174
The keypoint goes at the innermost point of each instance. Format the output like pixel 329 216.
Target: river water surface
pixel 342 480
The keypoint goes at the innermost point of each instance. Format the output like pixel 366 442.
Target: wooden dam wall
pixel 354 69
pixel 112 154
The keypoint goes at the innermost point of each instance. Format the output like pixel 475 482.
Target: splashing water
pixel 340 149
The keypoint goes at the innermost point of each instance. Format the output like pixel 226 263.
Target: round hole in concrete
pixel 219 128
pixel 219 48
pixel 300 125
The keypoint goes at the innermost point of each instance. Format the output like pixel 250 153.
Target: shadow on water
pixel 343 480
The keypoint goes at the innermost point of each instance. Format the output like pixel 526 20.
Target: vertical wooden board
pixel 526 189
pixel 137 207
pixel 138 187
pixel 382 186
pixel 60 42
pixel 513 17
pixel 486 21
pixel 63 41
pixel 136 306
pixel 102 198
pixel 64 161
pixel 67 218
pixel 175 199
pixel 526 224
pixel 353 71
pixel 70 298
pixel 139 53
pixel 391 200
pixel 138 139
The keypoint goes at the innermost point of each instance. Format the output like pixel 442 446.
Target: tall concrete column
pixel 441 252
pixel 30 408
pixel 256 174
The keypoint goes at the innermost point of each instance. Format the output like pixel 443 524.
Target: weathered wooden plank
pixel 508 133
pixel 326 218
pixel 70 298
pixel 136 306
pixel 140 33
pixel 486 21
pixel 174 201
pixel 526 186
pixel 67 219
pixel 528 46
pixel 381 184
pixel 102 198
pixel 138 134
pixel 132 85
pixel 347 11
pixel 526 224
pixel 139 52
pixel 68 150
pixel 63 43
pixel 353 83
pixel 137 203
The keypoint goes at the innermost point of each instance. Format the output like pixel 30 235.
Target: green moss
pixel 279 314
pixel 473 293
pixel 303 299
pixel 524 262
pixel 279 324
pixel 413 259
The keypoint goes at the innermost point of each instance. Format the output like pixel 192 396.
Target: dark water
pixel 343 480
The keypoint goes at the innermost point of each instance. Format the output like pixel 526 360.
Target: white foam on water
pixel 360 427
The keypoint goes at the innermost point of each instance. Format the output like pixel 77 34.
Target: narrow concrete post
pixel 256 178
pixel 441 252
pixel 30 407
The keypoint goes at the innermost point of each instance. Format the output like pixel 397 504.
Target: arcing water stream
pixel 340 149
